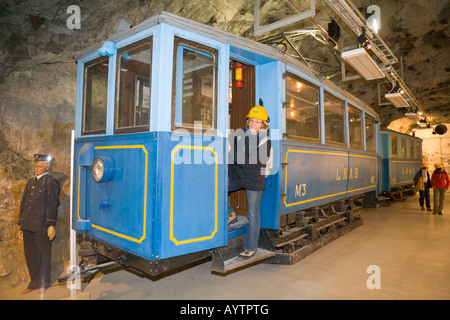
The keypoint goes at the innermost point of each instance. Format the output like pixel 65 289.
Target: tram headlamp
pixel 103 169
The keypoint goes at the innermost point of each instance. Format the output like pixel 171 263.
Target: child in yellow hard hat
pixel 250 162
pixel 422 182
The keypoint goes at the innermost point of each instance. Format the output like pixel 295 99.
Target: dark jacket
pixel 418 181
pixel 250 160
pixel 39 205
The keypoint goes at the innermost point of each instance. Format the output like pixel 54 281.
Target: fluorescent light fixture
pixel 360 60
pixel 397 100
pixel 422 124
pixel 412 116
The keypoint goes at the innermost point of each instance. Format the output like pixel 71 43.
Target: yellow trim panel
pixel 174 151
pixel 145 194
pixel 327 196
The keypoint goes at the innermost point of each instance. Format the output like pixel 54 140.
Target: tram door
pixel 241 100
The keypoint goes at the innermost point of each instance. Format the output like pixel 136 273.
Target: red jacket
pixel 440 180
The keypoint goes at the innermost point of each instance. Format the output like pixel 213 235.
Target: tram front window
pixel 133 87
pixel 95 93
pixel 195 85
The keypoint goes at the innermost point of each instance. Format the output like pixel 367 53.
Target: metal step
pixel 226 259
pixel 383 198
pixel 238 261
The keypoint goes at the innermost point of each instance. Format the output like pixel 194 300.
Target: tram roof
pixel 389 131
pixel 233 40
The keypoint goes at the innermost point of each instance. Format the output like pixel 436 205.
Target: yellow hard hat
pixel 258 112
pixel 438 165
pixel 425 165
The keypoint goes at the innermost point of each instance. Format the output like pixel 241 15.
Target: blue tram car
pixel 155 107
pixel 401 158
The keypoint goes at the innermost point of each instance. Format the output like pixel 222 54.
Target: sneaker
pixel 422 208
pixel 232 219
pixel 440 213
pixel 434 212
pixel 429 209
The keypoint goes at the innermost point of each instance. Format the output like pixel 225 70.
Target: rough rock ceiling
pixel 34 33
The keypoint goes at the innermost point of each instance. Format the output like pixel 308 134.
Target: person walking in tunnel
pixel 37 220
pixel 423 184
pixel 440 182
pixel 250 162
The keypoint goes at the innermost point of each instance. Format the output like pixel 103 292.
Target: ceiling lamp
pixel 360 60
pixel 397 100
pixel 412 116
pixel 423 123
pixel 440 129
pixel 363 40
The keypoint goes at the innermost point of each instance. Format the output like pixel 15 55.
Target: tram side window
pixel 394 146
pixel 95 95
pixel 194 93
pixel 302 110
pixel 133 87
pixel 419 150
pixel 370 134
pixel 403 148
pixel 334 120
pixel 355 127
pixel 411 149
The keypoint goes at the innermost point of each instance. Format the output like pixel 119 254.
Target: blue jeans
pixel 254 201
pixel 425 195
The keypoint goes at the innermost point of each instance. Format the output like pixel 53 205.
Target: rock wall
pixel 37 112
pixel 38 80
pixel 38 90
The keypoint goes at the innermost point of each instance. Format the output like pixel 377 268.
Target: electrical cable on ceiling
pixel 315 24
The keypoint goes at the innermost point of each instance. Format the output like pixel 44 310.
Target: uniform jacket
pixel 418 180
pixel 250 160
pixel 39 205
pixel 440 179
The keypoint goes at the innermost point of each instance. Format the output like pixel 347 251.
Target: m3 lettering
pixel 300 190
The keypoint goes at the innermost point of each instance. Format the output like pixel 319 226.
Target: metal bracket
pixel 283 22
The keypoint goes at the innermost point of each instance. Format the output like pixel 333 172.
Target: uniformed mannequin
pixel 37 219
